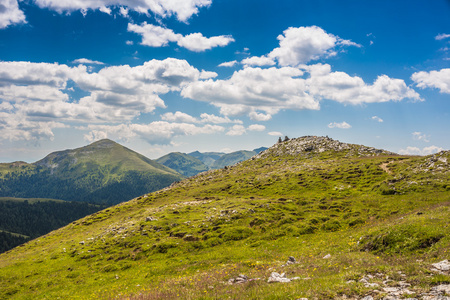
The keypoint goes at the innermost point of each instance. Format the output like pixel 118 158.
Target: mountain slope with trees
pixel 103 172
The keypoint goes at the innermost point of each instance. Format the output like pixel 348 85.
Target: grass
pixel 188 241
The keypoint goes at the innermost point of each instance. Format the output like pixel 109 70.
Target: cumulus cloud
pixel 207 74
pixel 417 151
pixel 182 9
pixel 228 64
pixel 260 93
pixel 236 130
pixel 258 61
pixel 179 117
pixel 36 93
pixel 198 43
pixel 378 119
pixel 210 118
pixel 256 127
pixel 251 89
pixel 343 88
pixel 304 44
pixel 10 13
pixel 159 132
pixel 157 36
pixel 342 125
pixel 433 79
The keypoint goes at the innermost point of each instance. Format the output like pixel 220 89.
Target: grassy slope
pixel 249 219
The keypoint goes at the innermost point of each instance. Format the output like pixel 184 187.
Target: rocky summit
pixel 314 145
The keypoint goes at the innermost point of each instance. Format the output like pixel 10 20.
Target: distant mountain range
pixel 103 172
pixel 196 162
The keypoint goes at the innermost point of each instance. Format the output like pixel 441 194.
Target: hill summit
pixel 102 172
pixel 316 144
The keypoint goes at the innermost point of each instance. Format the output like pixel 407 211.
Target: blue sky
pixel 161 76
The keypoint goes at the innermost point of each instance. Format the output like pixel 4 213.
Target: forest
pixel 21 221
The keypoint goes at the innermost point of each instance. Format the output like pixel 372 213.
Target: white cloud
pixel 10 13
pixel 433 79
pixel 260 93
pixel 157 36
pixel 275 133
pixel 419 136
pixel 236 130
pixel 179 117
pixel 251 89
pixel 160 132
pixel 258 61
pixel 417 151
pixel 259 116
pixel 228 64
pixel 198 43
pixel 207 118
pixel 378 119
pixel 36 93
pixel 303 44
pixel 206 74
pixel 256 127
pixel 154 36
pixel 343 88
pixel 442 36
pixel 182 9
pixel 86 61
pixel 342 125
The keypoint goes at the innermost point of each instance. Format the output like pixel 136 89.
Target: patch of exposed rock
pixel 313 145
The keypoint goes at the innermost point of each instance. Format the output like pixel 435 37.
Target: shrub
pixel 401 239
pixel 237 233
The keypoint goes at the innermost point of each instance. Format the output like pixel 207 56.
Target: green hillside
pixel 357 222
pixel 233 158
pixel 103 172
pixel 182 163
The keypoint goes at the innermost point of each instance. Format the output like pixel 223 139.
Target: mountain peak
pixel 319 144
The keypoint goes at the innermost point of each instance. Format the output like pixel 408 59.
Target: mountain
pixel 208 158
pixel 233 158
pixel 183 163
pixel 325 219
pixel 196 162
pixel 102 172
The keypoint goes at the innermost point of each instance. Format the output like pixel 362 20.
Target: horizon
pixel 222 76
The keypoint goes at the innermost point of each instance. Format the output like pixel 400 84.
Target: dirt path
pixel 385 168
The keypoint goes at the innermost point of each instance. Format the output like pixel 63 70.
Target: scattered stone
pixel 82 243
pixel 443 288
pixel 241 279
pixel 148 219
pixel 442 266
pixel 276 277
pixel 291 261
pixel 327 256
pixel 367 298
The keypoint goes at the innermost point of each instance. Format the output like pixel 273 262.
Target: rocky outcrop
pixel 307 145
